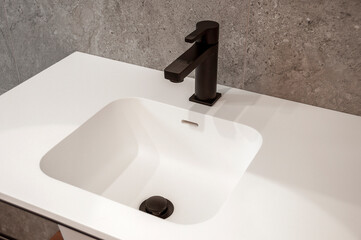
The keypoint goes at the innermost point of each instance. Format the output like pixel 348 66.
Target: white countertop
pixel 305 182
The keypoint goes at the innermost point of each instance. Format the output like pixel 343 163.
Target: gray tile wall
pixel 303 50
pixel 22 225
pixel 308 51
pixel 8 70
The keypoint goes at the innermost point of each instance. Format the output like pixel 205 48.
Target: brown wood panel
pixel 57 236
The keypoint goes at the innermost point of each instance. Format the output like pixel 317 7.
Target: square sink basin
pixel 135 148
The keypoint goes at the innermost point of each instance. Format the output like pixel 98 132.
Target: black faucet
pixel 202 56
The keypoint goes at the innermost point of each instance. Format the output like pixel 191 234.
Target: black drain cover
pixel 157 206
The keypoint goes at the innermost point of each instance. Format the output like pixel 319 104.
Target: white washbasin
pixel 135 148
pixel 99 164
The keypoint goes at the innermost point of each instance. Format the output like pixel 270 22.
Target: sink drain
pixel 157 206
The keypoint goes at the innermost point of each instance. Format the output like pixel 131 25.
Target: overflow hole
pixel 190 123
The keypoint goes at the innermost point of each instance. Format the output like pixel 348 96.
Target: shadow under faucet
pixel 202 56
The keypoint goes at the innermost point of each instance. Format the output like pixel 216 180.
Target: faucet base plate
pixel 210 102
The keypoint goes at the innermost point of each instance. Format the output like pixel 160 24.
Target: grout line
pixel 246 46
pixel 11 45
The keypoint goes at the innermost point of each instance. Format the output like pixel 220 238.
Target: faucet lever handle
pixel 206 31
pixel 195 35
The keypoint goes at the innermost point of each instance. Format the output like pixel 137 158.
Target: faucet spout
pixel 203 57
pixel 188 61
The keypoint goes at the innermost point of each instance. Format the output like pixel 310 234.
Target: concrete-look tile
pixel 151 33
pixel 2 91
pixel 22 225
pixel 8 72
pixel 45 31
pixel 148 33
pixel 307 51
